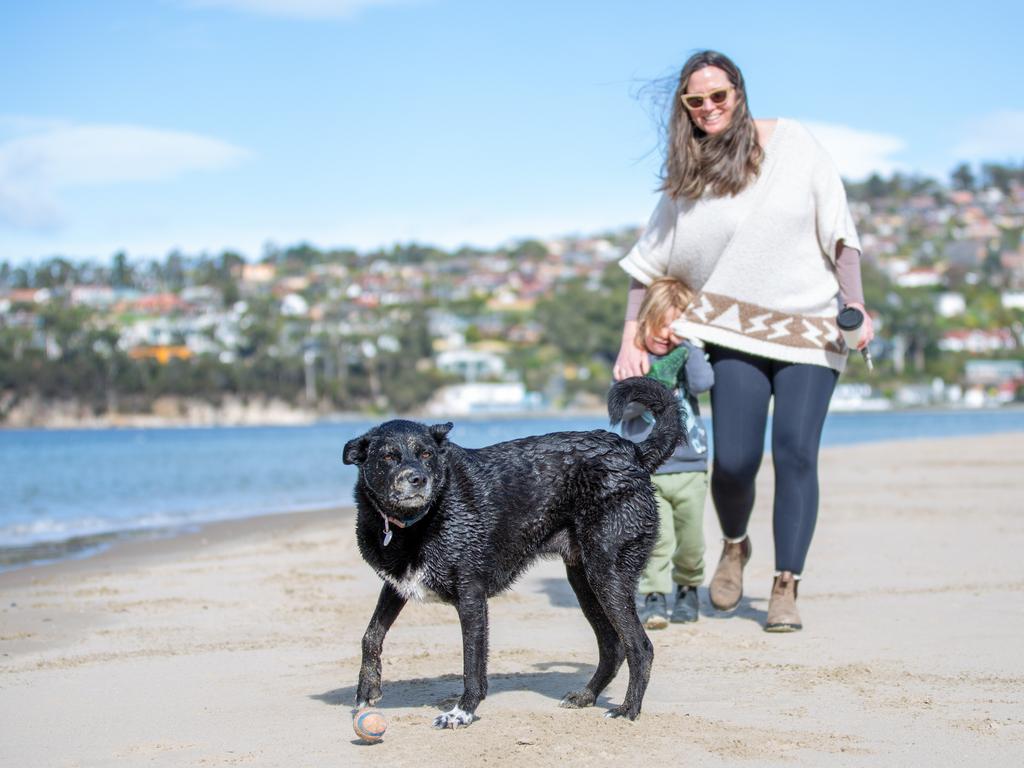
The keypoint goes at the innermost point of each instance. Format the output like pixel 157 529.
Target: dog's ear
pixel 355 450
pixel 440 432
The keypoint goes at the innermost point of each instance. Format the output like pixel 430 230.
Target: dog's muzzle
pixel 410 489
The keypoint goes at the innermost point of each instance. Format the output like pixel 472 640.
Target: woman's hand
pixel 632 361
pixel 867 332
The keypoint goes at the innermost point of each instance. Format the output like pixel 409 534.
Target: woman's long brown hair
pixel 695 162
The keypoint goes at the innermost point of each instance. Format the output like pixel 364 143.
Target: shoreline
pixel 304 418
pixel 162 545
pixel 240 643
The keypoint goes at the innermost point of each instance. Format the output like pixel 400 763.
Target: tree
pixel 1000 176
pixel 962 178
pixel 121 273
pixel 529 250
pixel 56 272
pixel 20 278
pixel 876 187
pixel 229 267
pixel 910 314
pixel 172 274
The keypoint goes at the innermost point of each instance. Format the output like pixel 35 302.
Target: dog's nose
pixel 413 478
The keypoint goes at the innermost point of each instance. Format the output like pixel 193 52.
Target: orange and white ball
pixel 369 725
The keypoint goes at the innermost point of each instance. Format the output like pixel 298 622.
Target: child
pixel 681 482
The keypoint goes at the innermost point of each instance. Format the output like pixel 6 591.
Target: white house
pixel 471 365
pixel 920 277
pixel 950 304
pixel 1013 300
pixel 294 305
pixel 498 397
pixel 977 340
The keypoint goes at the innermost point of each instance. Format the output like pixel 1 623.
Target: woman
pixel 753 215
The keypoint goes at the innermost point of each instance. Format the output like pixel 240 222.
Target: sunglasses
pixel 696 100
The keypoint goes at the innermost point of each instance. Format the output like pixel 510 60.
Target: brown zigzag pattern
pixel 765 324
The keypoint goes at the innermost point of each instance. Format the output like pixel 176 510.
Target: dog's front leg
pixel 472 608
pixel 389 605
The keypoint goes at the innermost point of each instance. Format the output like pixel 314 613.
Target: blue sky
pixel 150 125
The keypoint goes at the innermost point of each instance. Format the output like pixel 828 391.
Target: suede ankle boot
pixel 782 613
pixel 726 587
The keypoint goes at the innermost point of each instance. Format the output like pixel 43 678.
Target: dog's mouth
pixel 408 499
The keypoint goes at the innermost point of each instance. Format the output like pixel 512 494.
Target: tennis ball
pixel 369 725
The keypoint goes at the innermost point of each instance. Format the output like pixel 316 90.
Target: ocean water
pixel 69 492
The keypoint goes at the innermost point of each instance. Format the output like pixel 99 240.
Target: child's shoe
pixel 687 607
pixel 654 612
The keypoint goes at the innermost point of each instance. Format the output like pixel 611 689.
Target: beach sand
pixel 239 645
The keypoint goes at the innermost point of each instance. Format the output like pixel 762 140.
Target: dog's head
pixel 402 464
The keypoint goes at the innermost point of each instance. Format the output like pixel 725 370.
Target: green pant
pixel 678 554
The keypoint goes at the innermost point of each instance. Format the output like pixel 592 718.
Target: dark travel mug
pixel 851 325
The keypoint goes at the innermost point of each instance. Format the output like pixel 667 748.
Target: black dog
pixel 464 524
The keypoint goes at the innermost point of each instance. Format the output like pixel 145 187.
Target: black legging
pixel 739 412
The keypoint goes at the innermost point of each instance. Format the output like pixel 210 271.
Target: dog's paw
pixel 368 692
pixel 577 699
pixel 362 702
pixel 622 711
pixel 454 718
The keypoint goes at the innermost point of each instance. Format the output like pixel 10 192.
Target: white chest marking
pixel 411 587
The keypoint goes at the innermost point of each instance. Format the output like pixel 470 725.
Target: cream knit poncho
pixel 762 263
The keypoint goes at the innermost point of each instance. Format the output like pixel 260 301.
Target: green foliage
pixel 1002 176
pixel 530 250
pixel 583 321
pixel 896 187
pixel 962 177
pixel 403 386
pixel 412 253
pixel 121 271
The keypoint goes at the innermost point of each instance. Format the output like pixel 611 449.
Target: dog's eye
pixel 390 458
pixel 425 455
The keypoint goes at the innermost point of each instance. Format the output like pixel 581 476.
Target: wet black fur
pixel 490 512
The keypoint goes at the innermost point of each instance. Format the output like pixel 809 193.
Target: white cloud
pixel 996 137
pixel 35 167
pixel 857 153
pixel 20 125
pixel 300 9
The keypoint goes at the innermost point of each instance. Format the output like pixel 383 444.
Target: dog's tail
pixel 661 402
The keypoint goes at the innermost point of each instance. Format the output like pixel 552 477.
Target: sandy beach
pixel 239 645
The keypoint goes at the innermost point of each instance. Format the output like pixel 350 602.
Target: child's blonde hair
pixel 663 295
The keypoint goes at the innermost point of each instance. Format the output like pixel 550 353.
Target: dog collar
pixel 388 533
